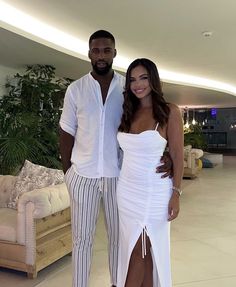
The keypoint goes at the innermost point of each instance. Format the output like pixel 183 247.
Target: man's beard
pixel 102 71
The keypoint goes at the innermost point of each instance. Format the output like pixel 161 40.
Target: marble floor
pixel 203 239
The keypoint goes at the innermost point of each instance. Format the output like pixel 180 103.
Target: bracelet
pixel 178 190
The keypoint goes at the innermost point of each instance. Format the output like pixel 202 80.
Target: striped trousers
pixel 85 196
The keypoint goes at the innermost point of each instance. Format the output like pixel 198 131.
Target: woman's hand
pixel 173 208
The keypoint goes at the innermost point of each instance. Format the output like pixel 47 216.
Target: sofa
pixel 192 163
pixel 38 231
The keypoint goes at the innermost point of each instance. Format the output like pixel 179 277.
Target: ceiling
pixel 168 32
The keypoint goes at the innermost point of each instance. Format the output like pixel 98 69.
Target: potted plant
pixel 193 136
pixel 29 117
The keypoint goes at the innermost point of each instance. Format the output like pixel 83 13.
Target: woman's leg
pixel 140 269
pixel 148 275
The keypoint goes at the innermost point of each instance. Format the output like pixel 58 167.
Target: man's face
pixel 101 53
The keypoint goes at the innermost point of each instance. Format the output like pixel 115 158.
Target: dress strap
pixel 156 126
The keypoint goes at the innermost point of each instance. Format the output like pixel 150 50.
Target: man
pixel 90 153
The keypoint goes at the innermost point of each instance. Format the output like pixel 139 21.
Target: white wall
pixel 4 73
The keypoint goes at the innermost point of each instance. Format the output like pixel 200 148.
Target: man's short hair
pixel 101 34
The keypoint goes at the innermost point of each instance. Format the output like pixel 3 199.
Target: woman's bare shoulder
pixel 174 109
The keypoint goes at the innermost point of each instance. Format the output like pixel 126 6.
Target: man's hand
pixel 166 167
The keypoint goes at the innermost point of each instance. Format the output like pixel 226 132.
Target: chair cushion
pixel 33 176
pixel 8 224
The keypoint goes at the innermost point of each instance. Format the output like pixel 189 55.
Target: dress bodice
pixel 142 152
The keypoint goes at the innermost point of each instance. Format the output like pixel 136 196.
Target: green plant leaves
pixel 195 137
pixel 29 119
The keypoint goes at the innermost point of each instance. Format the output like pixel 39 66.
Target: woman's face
pixel 139 82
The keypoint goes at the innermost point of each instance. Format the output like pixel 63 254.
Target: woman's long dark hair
pixel 160 107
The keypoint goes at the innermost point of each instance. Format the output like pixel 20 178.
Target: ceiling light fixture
pixel 207 34
pixel 194 81
pixel 30 27
pixel 194 122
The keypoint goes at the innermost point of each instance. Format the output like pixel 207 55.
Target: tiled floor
pixel 203 239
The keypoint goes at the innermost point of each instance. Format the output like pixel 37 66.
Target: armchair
pixel 191 158
pixel 38 232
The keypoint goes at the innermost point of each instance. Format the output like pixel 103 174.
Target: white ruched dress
pixel 143 197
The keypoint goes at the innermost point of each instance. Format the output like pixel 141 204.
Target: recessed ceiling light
pixel 207 34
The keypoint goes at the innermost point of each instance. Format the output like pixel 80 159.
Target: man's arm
pixel 66 142
pixel 167 166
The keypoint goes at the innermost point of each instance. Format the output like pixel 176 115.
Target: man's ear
pixel 115 53
pixel 89 54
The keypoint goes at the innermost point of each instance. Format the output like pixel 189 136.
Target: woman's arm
pixel 175 137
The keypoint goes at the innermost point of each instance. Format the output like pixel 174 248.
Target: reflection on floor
pixel 203 239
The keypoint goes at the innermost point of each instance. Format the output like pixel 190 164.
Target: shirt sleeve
pixel 68 121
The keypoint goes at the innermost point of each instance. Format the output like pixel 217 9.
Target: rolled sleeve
pixel 68 121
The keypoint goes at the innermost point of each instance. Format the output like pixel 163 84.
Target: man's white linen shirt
pixel 94 125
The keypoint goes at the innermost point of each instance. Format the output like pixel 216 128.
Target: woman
pixel 146 202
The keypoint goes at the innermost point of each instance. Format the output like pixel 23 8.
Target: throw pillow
pixel 206 163
pixel 6 185
pixel 199 164
pixel 33 176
